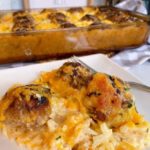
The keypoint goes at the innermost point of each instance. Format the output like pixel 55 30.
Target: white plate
pixel 99 62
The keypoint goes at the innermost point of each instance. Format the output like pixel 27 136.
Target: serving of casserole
pixel 70 108
pixel 51 33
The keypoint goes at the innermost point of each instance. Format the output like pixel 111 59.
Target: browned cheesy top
pixel 33 20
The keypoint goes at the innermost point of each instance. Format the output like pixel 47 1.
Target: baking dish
pixel 28 45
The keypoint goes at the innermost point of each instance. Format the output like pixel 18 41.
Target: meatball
pixel 89 17
pixel 28 106
pixel 75 74
pixel 23 22
pixel 76 10
pixel 107 98
pixel 67 25
pixel 57 17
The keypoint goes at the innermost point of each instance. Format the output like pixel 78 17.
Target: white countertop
pixel 141 71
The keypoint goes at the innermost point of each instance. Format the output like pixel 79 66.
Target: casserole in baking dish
pixel 39 34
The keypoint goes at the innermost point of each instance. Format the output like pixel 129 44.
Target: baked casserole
pixel 71 108
pixel 39 34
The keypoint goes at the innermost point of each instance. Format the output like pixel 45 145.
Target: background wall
pixel 56 3
pixel 18 4
pixel 5 4
pixel 10 4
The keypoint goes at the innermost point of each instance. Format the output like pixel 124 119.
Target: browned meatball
pixel 89 17
pixel 108 99
pixel 28 106
pixel 76 10
pixel 57 17
pixel 23 22
pixel 75 74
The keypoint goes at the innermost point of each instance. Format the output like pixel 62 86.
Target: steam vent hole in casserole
pixel 70 108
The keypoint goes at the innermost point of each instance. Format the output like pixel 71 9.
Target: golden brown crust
pixel 57 17
pixel 23 22
pixel 76 10
pixel 106 97
pixel 117 16
pixel 75 74
pixel 29 105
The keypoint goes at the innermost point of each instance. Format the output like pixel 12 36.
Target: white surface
pixel 101 63
pixel 56 3
pixel 142 72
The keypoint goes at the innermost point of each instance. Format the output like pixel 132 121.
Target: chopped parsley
pixel 126 89
pixel 57 138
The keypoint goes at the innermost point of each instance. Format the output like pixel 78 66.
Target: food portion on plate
pixel 71 108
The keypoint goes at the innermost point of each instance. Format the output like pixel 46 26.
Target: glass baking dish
pixel 55 43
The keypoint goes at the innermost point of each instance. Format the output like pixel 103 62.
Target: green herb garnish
pixel 58 137
pixel 126 89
